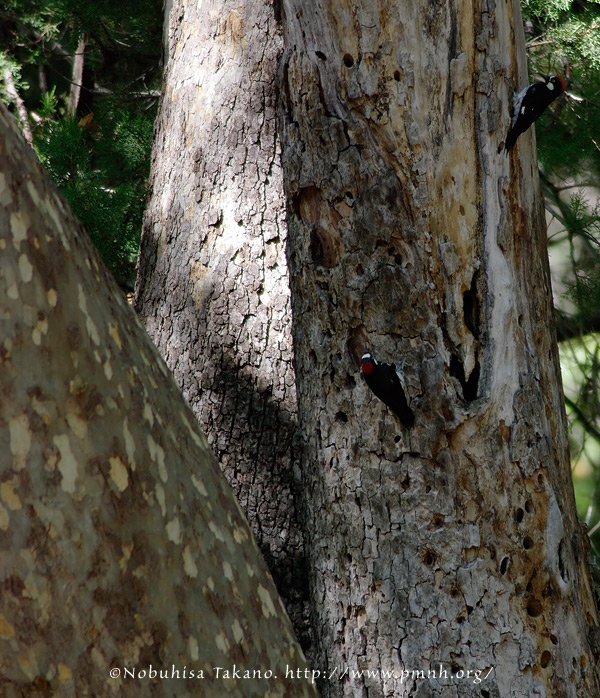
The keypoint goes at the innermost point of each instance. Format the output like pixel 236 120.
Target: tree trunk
pixel 212 286
pixel 13 93
pixel 76 77
pixel 453 545
pixel 122 548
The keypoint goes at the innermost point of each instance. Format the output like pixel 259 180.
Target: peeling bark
pixel 121 545
pixel 457 541
pixel 212 287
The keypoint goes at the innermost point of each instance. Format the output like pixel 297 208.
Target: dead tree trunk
pixel 453 544
pixel 122 548
pixel 212 286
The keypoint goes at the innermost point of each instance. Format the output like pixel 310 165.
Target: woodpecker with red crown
pixel 530 104
pixel 385 380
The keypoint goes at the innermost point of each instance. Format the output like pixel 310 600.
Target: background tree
pixel 121 545
pixel 84 79
pixel 212 288
pixel 456 541
pixel 563 37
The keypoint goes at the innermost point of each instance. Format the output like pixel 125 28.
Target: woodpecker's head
pixel 367 363
pixel 554 82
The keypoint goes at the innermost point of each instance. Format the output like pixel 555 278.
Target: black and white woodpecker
pixel 385 380
pixel 530 103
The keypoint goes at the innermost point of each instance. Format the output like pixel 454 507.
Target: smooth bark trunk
pixel 122 547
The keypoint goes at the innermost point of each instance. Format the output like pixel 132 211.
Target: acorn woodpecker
pixel 530 104
pixel 386 382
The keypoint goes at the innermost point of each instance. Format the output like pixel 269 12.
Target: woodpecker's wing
pixel 517 102
pixel 391 391
pixel 530 104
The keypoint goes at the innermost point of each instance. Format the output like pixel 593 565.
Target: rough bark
pixel 455 543
pixel 212 287
pixel 121 544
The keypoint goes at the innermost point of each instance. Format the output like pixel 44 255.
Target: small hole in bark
pixel 438 521
pixel 527 543
pixel 529 588
pixel 396 439
pixel 324 247
pixel 348 60
pixel 485 694
pixel 428 558
pixel 341 417
pixel 398 259
pixel 397 75
pixel 519 513
pixel 469 387
pixel 545 659
pixel 528 507
pixel 428 489
pixel 471 311
pixel 554 639
pixel 534 608
pixel 504 565
pixel 561 560
pixel 321 55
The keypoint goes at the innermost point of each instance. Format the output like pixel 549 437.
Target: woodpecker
pixel 386 382
pixel 530 103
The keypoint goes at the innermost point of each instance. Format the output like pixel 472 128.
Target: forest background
pixel 83 79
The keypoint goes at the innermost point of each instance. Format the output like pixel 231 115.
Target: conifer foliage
pixel 563 37
pixel 84 79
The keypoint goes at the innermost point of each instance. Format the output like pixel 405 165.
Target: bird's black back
pixel 384 382
pixel 536 99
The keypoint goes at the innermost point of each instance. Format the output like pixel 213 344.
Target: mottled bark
pixel 121 545
pixel 457 541
pixel 212 287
